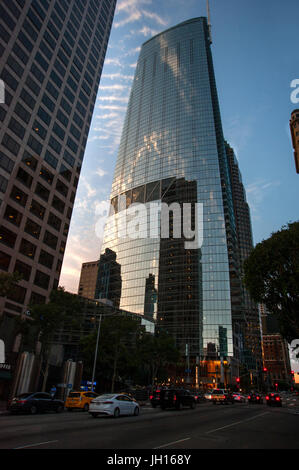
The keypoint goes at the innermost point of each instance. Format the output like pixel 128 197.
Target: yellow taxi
pixel 79 400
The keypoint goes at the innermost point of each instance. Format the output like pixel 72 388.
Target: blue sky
pixel 255 52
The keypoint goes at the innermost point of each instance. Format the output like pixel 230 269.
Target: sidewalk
pixel 3 408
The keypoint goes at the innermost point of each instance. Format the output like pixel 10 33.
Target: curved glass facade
pixel 172 151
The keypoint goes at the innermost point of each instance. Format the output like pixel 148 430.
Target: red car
pixel 273 399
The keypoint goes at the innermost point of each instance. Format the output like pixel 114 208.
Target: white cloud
pixel 113 76
pixel 122 99
pixel 100 172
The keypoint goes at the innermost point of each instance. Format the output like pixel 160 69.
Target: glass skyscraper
pixel 52 55
pixel 172 150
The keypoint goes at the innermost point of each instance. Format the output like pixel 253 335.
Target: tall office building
pixel 52 54
pixel 294 126
pixel 172 150
pixel 250 321
pixel 88 279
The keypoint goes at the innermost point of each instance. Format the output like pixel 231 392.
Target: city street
pixel 239 426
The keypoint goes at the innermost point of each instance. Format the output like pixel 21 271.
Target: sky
pixel 255 53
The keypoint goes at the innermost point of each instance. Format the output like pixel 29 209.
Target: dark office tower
pixel 52 54
pixel 249 312
pixel 294 126
pixel 150 298
pixel 108 285
pixel 172 149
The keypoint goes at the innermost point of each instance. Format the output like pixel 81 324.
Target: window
pixel 46 175
pixel 72 145
pixel 62 188
pixel 44 116
pixel 27 248
pixel 35 145
pixel 16 128
pixel 55 144
pixel 65 172
pixel 39 130
pixel 46 259
pixel 58 204
pixel 37 299
pixel 34 87
pixel 24 177
pixel 29 161
pixel 50 240
pixel 23 269
pixel 41 279
pixel 68 158
pixel 58 131
pixel 42 192
pixel 18 295
pixel 10 144
pixel 4 261
pixel 13 216
pixel 54 221
pixel 32 228
pixel 27 98
pixel 7 237
pixel 37 209
pixel 6 163
pixel 3 184
pixel 18 196
pixel 62 118
pixel 48 102
pixel 15 66
pixel 22 113
pixel 49 158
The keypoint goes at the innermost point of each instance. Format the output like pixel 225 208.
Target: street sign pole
pixel 96 353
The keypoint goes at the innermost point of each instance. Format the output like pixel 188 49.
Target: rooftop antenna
pixel 209 21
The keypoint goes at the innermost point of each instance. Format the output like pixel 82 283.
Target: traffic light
pixel 265 369
pixel 238 380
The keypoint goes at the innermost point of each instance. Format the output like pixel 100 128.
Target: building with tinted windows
pixel 52 54
pixel 294 126
pixel 173 151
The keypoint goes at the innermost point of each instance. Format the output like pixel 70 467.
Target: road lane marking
pixel 237 422
pixel 34 445
pixel 171 443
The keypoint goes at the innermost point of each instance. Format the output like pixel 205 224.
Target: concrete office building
pixel 52 54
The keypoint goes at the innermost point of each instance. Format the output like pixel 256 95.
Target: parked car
pixel 239 398
pixel 79 400
pixel 199 397
pixel 222 396
pixel 208 395
pixel 116 404
pixel 155 397
pixel 255 398
pixel 34 403
pixel 177 398
pixel 273 399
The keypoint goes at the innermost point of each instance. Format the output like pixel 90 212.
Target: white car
pixel 114 405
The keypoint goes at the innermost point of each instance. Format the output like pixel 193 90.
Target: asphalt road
pixel 239 426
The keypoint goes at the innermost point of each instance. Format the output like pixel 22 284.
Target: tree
pixel 157 352
pixel 8 282
pixel 62 310
pixel 271 275
pixel 117 349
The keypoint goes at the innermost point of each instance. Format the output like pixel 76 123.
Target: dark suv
pixel 155 397
pixel 177 398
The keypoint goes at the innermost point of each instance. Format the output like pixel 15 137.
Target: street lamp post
pixel 96 353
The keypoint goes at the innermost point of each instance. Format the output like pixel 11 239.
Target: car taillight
pixel 277 399
pixel 151 397
pixel 257 398
pixel 174 398
pixel 21 402
pixel 248 398
pixel 267 398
